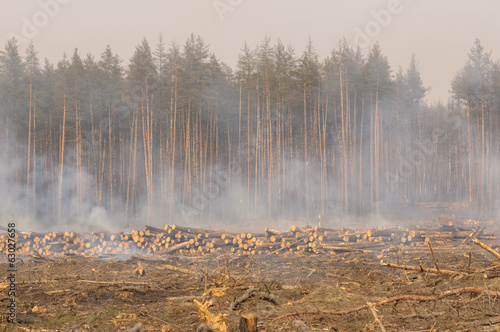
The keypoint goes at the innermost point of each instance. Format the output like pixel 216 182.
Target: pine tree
pixel 11 88
pixel 32 74
pixel 62 89
pixel 308 78
pixel 473 85
pixel 142 74
pixel 415 89
pixel 162 89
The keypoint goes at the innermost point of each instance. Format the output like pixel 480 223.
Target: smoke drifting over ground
pixel 180 138
pixel 223 198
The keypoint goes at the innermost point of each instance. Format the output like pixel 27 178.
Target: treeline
pixel 176 133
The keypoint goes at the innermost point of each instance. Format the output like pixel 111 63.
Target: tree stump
pixel 248 322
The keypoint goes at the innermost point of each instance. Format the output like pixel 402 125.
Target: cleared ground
pixel 289 291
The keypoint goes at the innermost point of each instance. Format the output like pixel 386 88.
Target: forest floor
pixel 288 291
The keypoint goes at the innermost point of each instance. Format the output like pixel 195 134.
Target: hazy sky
pixel 439 32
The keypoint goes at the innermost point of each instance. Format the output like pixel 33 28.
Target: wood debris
pixel 401 298
pixel 213 322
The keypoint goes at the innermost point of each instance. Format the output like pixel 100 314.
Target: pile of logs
pixel 186 240
pixel 58 244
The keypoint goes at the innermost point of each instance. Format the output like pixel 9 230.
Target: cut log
pixel 177 247
pixel 154 230
pixel 487 248
pixel 296 229
pixel 270 232
pixel 193 229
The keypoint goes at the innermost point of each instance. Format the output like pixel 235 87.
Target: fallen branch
pixel 374 313
pixel 185 298
pixel 37 255
pixel 424 316
pixel 174 268
pixel 252 292
pixel 217 283
pixel 489 321
pixel 433 257
pixel 213 322
pixel 56 292
pixel 487 248
pixel 474 234
pixel 34 282
pixel 423 269
pixel 410 297
pixel 112 282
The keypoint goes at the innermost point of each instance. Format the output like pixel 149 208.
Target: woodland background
pixel 175 134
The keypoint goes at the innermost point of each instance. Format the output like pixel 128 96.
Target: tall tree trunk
pixel 28 161
pixel 61 156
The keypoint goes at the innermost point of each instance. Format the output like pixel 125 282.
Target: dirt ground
pixel 333 291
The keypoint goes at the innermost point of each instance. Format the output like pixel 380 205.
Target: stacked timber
pixel 175 239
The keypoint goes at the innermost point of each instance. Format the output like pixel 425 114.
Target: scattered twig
pixel 374 313
pixel 206 278
pixel 489 321
pixel 491 268
pixel 185 298
pixel 433 257
pixel 37 255
pixel 215 282
pixel 174 268
pixel 410 297
pixel 96 313
pixel 56 292
pixel 423 269
pixel 34 282
pixel 424 316
pixel 113 282
pixel 227 267
pixel 474 234
pixel 470 259
pixel 160 320
pixel 302 301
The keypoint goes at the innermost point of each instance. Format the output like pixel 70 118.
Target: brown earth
pixel 288 291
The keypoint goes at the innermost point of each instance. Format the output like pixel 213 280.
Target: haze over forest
pixel 438 32
pixel 169 131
